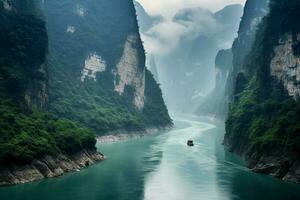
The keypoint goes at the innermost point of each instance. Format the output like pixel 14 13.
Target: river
pixel 161 167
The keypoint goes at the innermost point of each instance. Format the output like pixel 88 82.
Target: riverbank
pixel 274 161
pixel 280 165
pixel 119 135
pixel 49 167
pixel 55 166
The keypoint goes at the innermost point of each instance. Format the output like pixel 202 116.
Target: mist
pixel 182 38
pixel 168 8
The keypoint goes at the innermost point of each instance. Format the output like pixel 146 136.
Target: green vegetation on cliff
pixel 94 102
pixel 30 135
pixel 25 132
pixel 38 49
pixel 155 112
pixel 263 114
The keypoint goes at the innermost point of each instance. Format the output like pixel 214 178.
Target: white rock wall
pixel 285 66
pixel 71 29
pixel 128 72
pixel 93 64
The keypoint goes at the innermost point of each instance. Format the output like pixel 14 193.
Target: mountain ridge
pixel 263 119
pixel 63 82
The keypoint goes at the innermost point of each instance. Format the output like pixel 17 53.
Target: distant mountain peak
pixel 145 20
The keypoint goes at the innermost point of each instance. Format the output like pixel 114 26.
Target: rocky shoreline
pixel 279 164
pixel 49 167
pixel 55 166
pixel 284 167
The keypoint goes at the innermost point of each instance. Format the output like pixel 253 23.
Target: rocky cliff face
pixel 129 72
pixel 27 132
pixel 146 22
pixel 49 167
pixel 254 11
pixel 97 67
pixel 263 121
pixel 285 64
pixel 88 56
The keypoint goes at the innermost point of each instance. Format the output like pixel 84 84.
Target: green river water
pixel 162 167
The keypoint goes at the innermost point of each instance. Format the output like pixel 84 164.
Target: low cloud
pixel 168 8
pixel 165 36
pixel 182 19
pixel 197 22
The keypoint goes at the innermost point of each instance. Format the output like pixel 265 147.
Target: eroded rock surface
pixel 278 165
pixel 49 166
pixel 285 65
pixel 129 73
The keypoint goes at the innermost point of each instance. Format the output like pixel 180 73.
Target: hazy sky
pixel 168 8
pixel 165 36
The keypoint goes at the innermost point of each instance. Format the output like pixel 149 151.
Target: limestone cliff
pixel 129 72
pixel 27 131
pixel 285 64
pixel 263 121
pixel 254 11
pixel 87 56
pixel 97 66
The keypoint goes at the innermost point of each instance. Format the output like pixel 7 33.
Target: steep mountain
pixel 229 17
pixel 187 73
pixel 97 67
pixel 216 103
pixel 28 86
pixel 254 11
pixel 145 20
pixel 27 132
pixel 69 70
pixel 263 121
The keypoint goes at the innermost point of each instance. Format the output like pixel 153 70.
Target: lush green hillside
pixel 50 100
pixel 25 132
pixel 264 119
pixel 94 102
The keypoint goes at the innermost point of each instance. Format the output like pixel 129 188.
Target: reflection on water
pixel 162 166
pixel 182 172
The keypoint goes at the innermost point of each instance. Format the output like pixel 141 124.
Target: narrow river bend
pixel 162 167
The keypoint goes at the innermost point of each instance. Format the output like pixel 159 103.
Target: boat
pixel 190 143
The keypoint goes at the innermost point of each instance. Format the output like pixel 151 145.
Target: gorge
pixel 98 99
